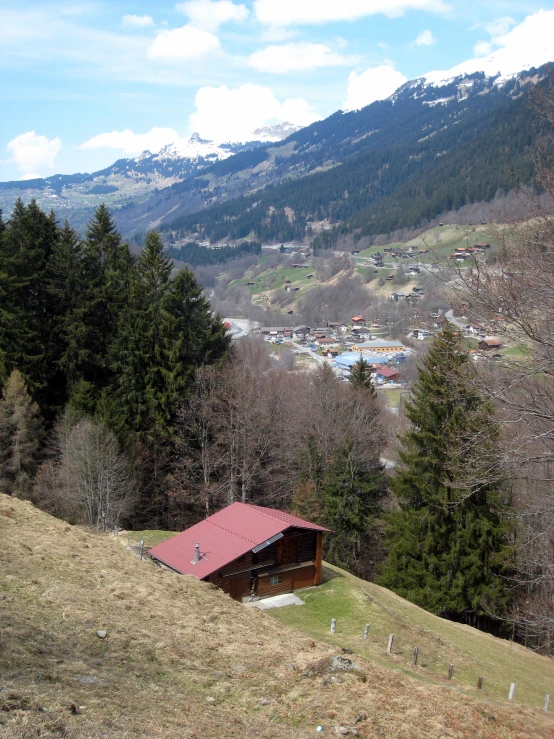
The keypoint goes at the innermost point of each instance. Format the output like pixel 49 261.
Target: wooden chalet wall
pixel 280 559
pixel 235 584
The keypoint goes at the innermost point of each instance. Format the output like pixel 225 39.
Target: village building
pixel 326 341
pixel 490 342
pixel 388 375
pixel 348 359
pixel 248 551
pixel 378 346
pixel 300 332
pixel 275 330
pixel 474 329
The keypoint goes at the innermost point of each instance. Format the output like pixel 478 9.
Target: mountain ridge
pixel 374 152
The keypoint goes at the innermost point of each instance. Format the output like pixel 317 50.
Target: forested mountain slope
pixel 396 163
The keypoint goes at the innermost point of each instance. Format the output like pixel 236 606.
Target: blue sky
pixel 86 83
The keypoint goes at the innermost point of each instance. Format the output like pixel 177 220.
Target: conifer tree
pixel 360 375
pixel 67 286
pixel 143 352
pixel 201 336
pixel 448 545
pixel 166 332
pixel 25 249
pixel 107 267
pixel 352 489
pixel 21 436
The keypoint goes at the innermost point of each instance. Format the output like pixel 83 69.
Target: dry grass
pixel 172 643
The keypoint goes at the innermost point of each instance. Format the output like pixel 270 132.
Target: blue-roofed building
pixel 346 360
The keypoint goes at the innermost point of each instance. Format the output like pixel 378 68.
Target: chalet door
pixel 286 551
pixel 236 588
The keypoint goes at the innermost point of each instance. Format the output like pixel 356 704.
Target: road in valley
pixel 306 350
pixel 449 315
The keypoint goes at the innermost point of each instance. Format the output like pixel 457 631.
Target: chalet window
pixel 286 551
pixel 275 579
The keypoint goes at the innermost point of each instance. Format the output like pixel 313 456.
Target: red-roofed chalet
pixel 248 550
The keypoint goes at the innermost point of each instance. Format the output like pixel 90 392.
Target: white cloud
pixel 482 48
pixel 137 21
pixel 299 12
pixel 273 34
pixel 31 152
pixel 181 44
pixel 211 15
pixel 224 114
pixel 425 38
pixel 497 29
pixel 295 57
pixel 129 142
pixel 376 83
pixel 500 26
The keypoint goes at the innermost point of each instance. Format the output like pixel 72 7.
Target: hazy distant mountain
pixel 130 181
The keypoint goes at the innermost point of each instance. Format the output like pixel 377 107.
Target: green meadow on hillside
pixel 354 602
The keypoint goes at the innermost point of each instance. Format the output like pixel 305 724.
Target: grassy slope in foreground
pixel 173 642
pixel 354 602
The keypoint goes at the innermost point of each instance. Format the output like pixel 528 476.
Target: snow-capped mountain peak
pixel 526 46
pixel 278 132
pixel 191 148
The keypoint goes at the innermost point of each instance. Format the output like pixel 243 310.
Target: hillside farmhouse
pixel 248 551
pixel 490 342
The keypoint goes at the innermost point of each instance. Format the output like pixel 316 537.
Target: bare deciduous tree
pixel 87 479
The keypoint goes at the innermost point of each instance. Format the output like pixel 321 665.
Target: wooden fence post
pixel 450 671
pixel 142 548
pixel 512 691
pixel 366 632
pixel 333 625
pixel 480 683
pixel 416 654
pixel 546 703
pixel 389 645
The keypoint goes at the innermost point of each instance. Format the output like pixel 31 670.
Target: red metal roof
pixel 224 537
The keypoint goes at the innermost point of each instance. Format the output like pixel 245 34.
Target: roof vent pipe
pixel 197 553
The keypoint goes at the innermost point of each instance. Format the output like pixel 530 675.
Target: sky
pixel 86 83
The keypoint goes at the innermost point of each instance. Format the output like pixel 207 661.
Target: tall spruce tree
pixel 143 351
pixel 21 437
pixel 360 375
pixel 201 336
pixel 66 284
pixel 26 246
pixel 165 333
pixel 107 269
pixel 448 544
pixel 352 489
